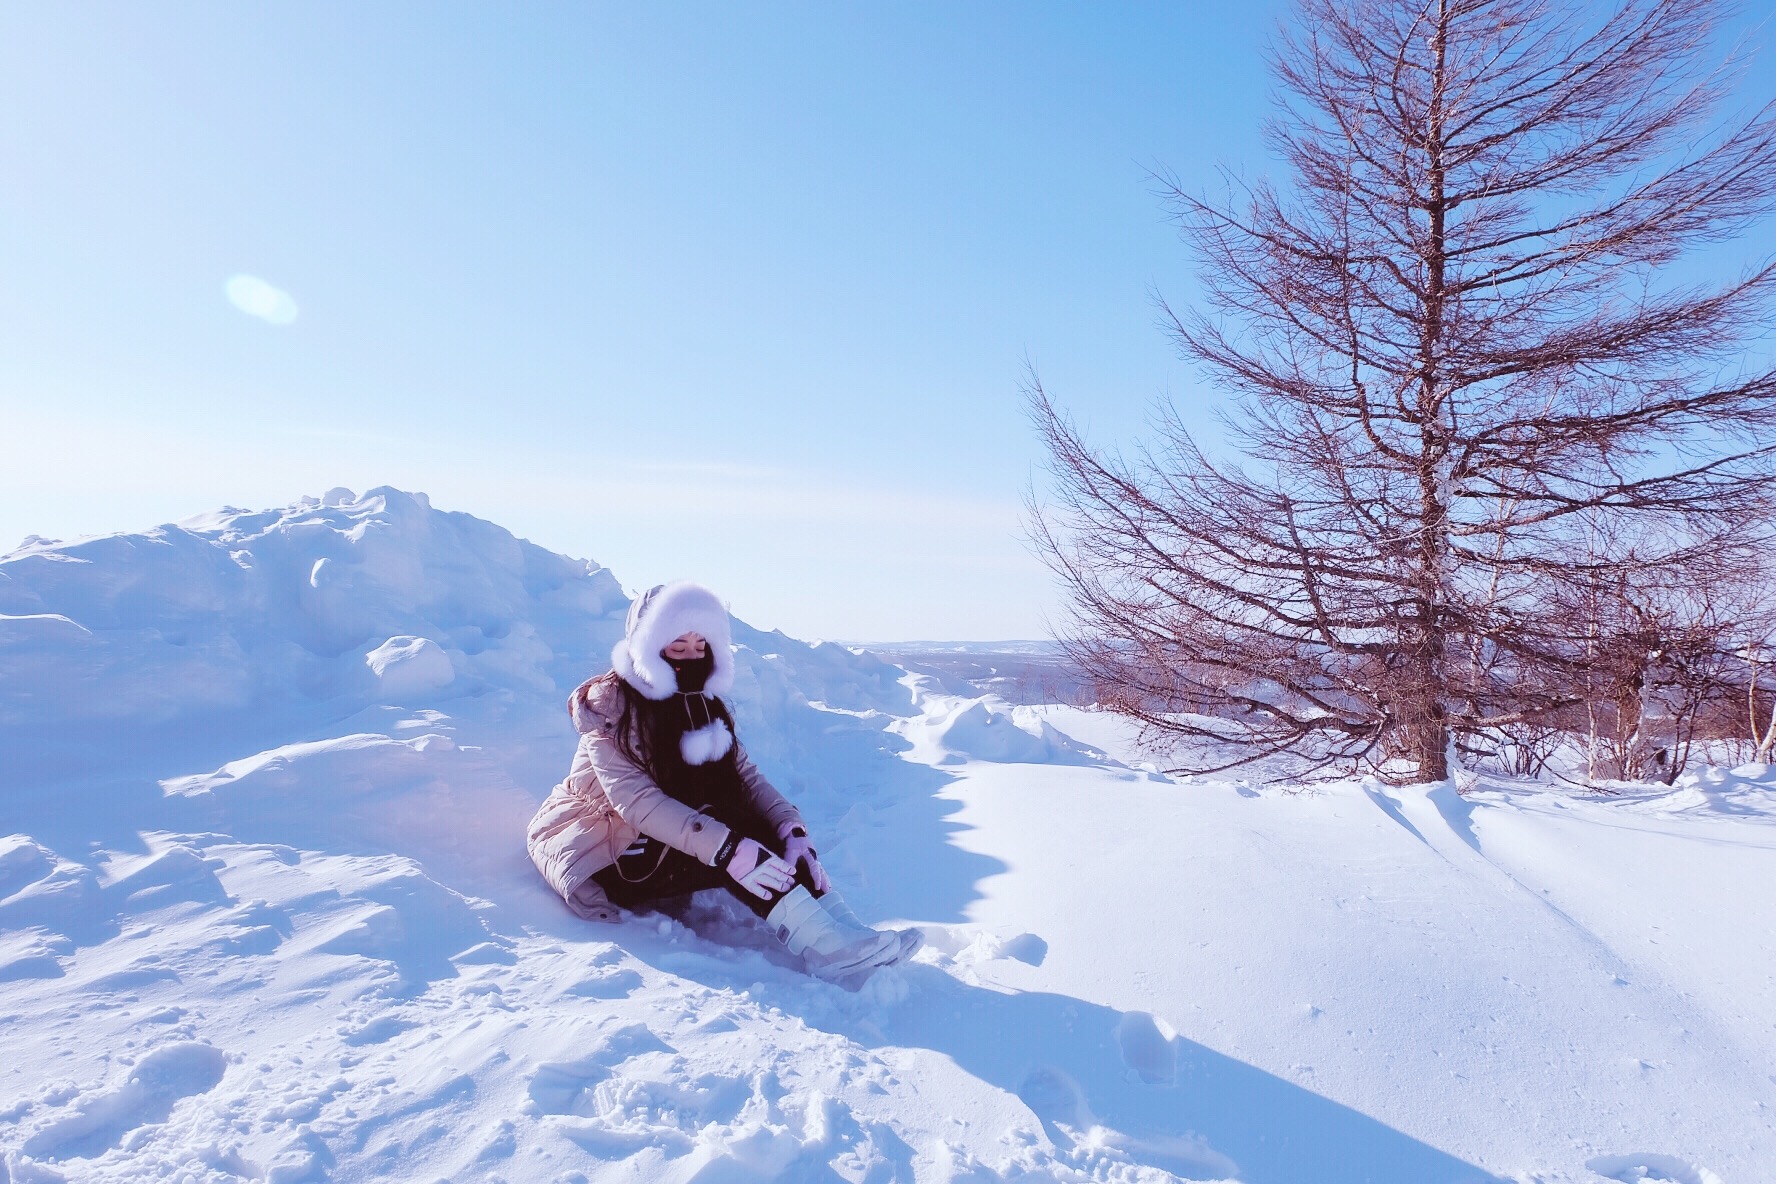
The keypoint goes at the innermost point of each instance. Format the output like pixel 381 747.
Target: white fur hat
pixel 659 615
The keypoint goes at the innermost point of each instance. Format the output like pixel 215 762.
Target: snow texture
pixel 265 915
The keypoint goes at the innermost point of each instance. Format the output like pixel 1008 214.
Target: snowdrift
pixel 265 915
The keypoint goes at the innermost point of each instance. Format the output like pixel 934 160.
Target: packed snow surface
pixel 265 914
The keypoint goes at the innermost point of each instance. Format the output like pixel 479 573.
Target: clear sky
pixel 741 293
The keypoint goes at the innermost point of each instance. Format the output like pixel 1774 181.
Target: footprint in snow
pixel 1095 1151
pixel 564 1087
pixel 1146 1049
pixel 162 1078
pixel 1651 1169
pixel 1055 1099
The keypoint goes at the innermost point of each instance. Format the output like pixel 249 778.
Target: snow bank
pixel 263 786
pixel 282 619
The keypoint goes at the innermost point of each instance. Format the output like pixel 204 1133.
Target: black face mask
pixel 692 673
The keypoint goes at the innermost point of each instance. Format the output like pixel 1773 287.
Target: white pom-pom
pixel 708 743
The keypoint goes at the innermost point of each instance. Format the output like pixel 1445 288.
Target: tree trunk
pixel 1431 740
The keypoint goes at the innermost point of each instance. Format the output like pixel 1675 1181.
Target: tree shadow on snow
pixel 1106 1086
pixel 1109 1089
pixel 1110 1085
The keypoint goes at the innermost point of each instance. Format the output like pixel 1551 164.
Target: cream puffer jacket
pixel 607 801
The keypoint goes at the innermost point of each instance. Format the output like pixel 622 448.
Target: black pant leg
pixel 676 874
pixel 659 874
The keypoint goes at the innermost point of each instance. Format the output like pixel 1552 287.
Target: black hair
pixel 647 732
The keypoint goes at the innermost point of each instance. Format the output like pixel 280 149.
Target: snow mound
pixel 408 666
pixel 302 615
pixel 952 732
pixel 1747 793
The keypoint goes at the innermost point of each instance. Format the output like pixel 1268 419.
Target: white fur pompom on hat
pixel 662 614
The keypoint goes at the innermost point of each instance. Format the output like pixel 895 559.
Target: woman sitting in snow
pixel 662 800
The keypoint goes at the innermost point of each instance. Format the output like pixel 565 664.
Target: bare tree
pixel 1454 352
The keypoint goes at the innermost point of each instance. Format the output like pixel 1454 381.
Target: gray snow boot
pixel 845 954
pixel 910 939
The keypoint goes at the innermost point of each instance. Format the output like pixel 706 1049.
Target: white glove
pixel 798 850
pixel 758 871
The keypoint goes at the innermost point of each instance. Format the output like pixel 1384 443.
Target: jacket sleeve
pixel 764 796
pixel 647 807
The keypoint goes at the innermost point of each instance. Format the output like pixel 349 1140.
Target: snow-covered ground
pixel 265 914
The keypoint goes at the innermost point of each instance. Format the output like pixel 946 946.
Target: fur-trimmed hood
pixel 657 617
pixel 661 614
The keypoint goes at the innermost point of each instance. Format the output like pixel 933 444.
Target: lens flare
pixel 257 298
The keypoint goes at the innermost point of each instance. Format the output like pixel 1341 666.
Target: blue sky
pixel 736 293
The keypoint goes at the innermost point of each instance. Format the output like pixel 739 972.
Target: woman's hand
pixel 758 871
pixel 798 850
